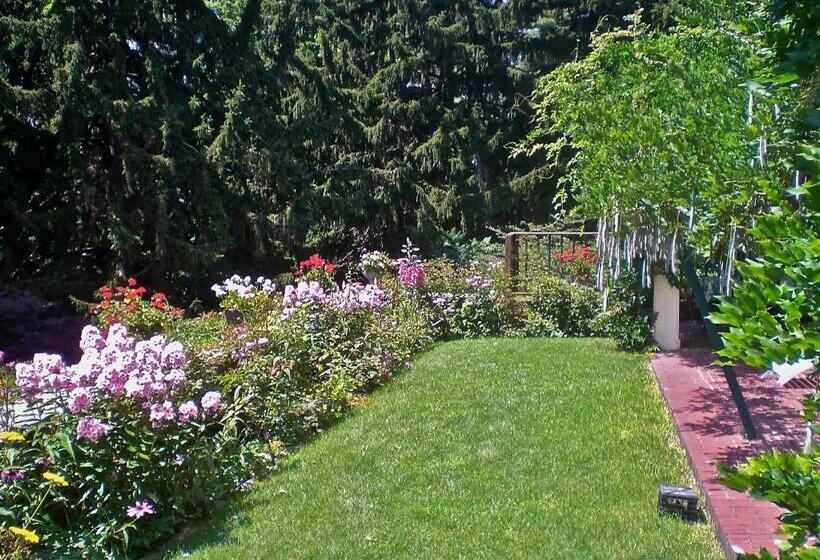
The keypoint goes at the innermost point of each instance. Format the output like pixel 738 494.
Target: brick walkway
pixel 709 427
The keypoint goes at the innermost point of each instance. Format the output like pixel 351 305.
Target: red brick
pixel 707 421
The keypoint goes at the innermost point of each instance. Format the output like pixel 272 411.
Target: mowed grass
pixel 496 449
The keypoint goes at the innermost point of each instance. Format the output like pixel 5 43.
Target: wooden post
pixel 511 257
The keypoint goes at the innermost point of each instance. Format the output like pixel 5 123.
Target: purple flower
pixel 119 339
pixel 175 378
pixel 90 429
pixel 2 357
pixel 139 509
pixel 27 379
pixel 173 356
pixel 91 339
pixel 211 401
pixel 304 293
pixel 12 475
pixel 43 462
pixel 78 400
pixel 138 386
pixel 162 414
pixel 356 296
pixel 411 275
pixel 84 372
pixel 188 411
pixel 479 282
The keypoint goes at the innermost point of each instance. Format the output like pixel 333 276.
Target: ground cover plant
pixel 493 448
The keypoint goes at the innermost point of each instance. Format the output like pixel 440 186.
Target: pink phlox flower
pixel 175 378
pixel 411 275
pixel 161 413
pixel 188 411
pixel 91 429
pixel 139 509
pixel 91 339
pixel 211 402
pixel 173 355
pixel 27 379
pixel 119 338
pixel 78 400
pixel 12 475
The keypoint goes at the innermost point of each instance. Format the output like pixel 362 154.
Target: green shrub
pixel 464 302
pixel 629 317
pixel 569 309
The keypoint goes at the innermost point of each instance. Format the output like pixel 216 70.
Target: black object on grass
pixel 679 501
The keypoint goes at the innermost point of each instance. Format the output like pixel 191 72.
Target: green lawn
pixel 490 449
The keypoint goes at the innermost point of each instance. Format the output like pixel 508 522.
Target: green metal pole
pixel 688 268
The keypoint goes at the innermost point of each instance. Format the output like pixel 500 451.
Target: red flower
pixel 132 294
pixel 159 296
pixel 105 304
pixel 314 262
pixel 575 254
pixel 157 304
pixel 132 282
pixel 131 308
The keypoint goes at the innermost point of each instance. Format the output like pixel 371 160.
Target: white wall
pixel 667 307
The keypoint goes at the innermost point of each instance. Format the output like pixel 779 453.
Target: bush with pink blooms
pixel 129 447
pixel 306 355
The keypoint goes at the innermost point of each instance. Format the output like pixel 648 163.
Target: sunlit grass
pixel 491 449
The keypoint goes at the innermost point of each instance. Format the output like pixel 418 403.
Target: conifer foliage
pixel 161 137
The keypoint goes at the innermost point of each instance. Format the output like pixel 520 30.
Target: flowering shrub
pixel 132 305
pixel 316 269
pixel 411 274
pixel 243 288
pixel 244 296
pixel 577 262
pixel 305 361
pixel 375 263
pixel 355 296
pixel 410 269
pixel 131 448
pixel 463 303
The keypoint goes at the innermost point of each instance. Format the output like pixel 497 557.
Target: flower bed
pixel 162 416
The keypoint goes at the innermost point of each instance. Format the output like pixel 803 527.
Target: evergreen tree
pixel 168 139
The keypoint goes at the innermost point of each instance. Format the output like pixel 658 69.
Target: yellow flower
pixel 25 534
pixel 12 437
pixel 55 478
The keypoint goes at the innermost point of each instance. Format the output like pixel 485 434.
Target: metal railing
pixel 528 254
